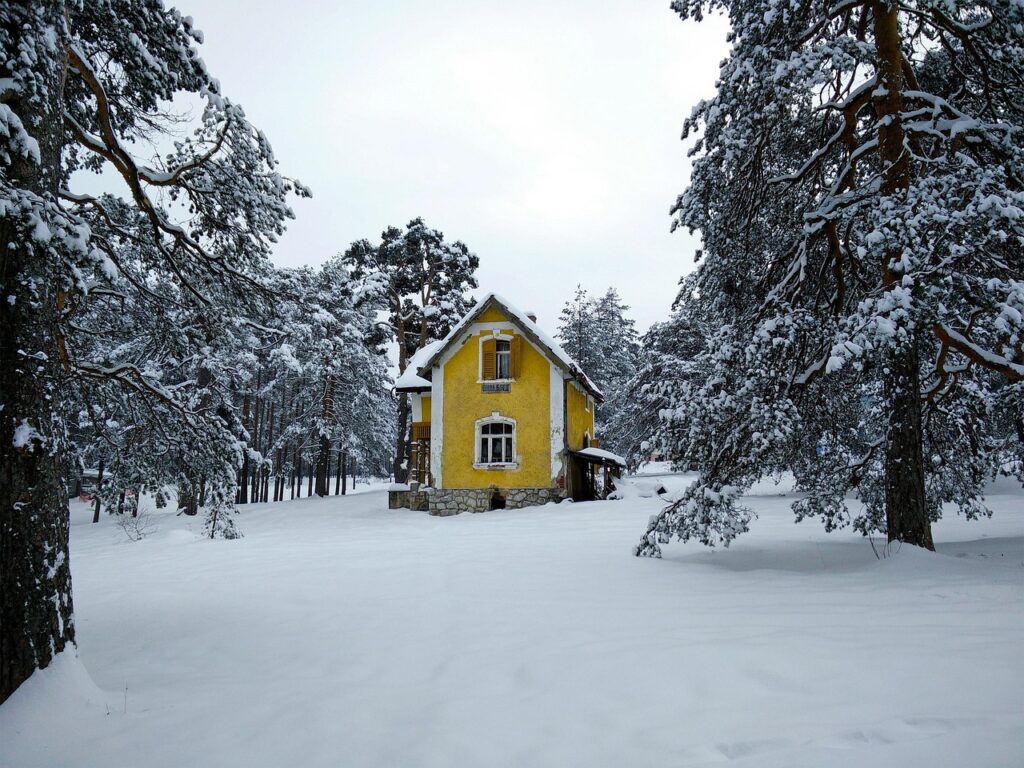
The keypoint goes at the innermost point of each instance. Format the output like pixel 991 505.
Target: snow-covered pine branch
pixel 857 184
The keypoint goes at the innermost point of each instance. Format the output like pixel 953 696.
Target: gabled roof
pixel 424 359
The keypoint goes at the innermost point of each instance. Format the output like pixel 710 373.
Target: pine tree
pixel 669 362
pixel 618 348
pixel 577 327
pixel 81 86
pixel 425 280
pixel 857 185
pixel 599 336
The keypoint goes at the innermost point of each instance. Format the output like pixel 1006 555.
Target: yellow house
pixel 502 417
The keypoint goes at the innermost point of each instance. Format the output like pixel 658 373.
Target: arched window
pixel 495 441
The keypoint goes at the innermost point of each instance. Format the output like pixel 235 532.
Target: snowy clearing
pixel 340 633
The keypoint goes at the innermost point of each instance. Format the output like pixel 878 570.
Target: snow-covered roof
pixel 424 360
pixel 601 455
pixel 411 379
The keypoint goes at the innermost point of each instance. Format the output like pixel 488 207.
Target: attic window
pixel 500 358
pixel 503 359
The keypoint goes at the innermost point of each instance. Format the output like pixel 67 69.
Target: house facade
pixel 501 417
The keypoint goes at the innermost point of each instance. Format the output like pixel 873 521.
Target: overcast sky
pixel 545 135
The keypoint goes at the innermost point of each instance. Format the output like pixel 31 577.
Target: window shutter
pixel 516 355
pixel 489 366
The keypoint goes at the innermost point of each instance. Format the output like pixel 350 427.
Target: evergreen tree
pixel 577 329
pixel 599 336
pixel 81 87
pixel 619 353
pixel 857 185
pixel 425 280
pixel 669 362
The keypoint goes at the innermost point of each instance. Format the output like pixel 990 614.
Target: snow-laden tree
pixel 576 328
pixel 425 280
pixel 618 346
pixel 90 87
pixel 602 338
pixel 669 362
pixel 857 184
pixel 340 347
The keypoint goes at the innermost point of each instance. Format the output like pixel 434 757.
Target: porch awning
pixel 599 456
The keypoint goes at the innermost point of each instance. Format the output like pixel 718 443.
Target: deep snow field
pixel 339 633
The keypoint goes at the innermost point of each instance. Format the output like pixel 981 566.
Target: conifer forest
pixel 621 385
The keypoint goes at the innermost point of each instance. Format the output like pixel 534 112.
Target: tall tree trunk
pixel 906 505
pixel 344 473
pixel 35 579
pixel 96 499
pixel 263 475
pixel 293 474
pixel 401 467
pixel 323 459
pixel 323 467
pixel 278 480
pixel 337 475
pixel 242 495
pixel 188 501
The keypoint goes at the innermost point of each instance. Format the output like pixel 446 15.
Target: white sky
pixel 545 135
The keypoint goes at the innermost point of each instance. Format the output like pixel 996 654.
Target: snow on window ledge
pixel 496 465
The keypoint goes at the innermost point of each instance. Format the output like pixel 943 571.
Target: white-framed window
pixel 495 442
pixel 503 359
pixel 496 362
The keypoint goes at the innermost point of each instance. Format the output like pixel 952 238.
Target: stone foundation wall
pixel 452 501
pixel 418 500
pixel 531 497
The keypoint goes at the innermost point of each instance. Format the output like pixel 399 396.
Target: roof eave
pixel 577 375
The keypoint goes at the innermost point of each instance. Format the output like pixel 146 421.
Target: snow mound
pixel 637 488
pixel 56 703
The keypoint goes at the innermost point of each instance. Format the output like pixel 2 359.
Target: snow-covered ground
pixel 338 633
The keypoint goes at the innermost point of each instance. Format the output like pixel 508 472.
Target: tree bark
pixel 36 615
pixel 344 472
pixel 242 495
pixel 323 467
pixel 263 475
pixel 906 504
pixel 188 501
pixel 401 466
pixel 96 499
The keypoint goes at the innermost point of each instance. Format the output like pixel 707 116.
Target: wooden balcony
pixel 419 453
